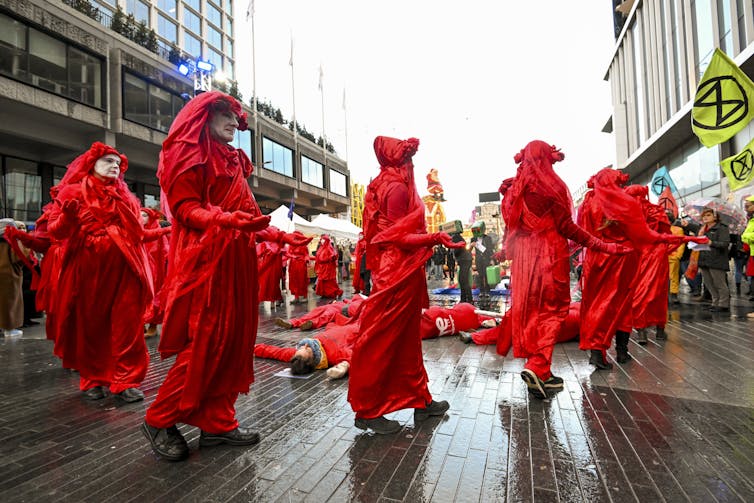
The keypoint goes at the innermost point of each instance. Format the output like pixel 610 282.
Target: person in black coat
pixel 715 262
pixel 463 258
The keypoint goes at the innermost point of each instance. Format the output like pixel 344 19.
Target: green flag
pixel 724 101
pixel 739 169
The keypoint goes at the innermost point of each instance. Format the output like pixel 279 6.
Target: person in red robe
pixel 329 350
pixel 270 265
pixel 105 283
pixel 607 280
pixel 501 335
pixel 387 367
pixel 298 278
pixel 651 286
pixel 211 291
pixel 339 311
pixel 157 250
pixel 358 280
pixel 437 321
pixel 537 211
pixel 326 267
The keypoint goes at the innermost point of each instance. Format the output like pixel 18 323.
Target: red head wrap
pixel 83 165
pixel 189 142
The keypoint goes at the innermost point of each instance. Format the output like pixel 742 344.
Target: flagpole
pixel 345 122
pixel 251 10
pixel 293 94
pixel 322 98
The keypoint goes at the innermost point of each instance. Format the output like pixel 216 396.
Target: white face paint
pixel 107 167
pixel 223 125
pixel 144 218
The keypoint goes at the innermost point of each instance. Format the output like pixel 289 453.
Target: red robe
pixel 211 292
pixel 537 210
pixel 270 257
pixel 105 281
pixel 326 266
pixel 157 249
pixel 387 367
pixel 607 280
pixel 357 281
pixel 651 287
pixel 298 278
pixel 502 337
pixel 322 315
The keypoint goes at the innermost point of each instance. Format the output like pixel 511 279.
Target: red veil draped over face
pixel 387 370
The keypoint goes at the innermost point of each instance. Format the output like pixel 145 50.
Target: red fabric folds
pixel 105 283
pixel 326 267
pixel 387 371
pixel 357 281
pixel 298 278
pixel 157 250
pixel 270 263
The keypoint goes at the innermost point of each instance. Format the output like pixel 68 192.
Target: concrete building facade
pixel 67 79
pixel 662 49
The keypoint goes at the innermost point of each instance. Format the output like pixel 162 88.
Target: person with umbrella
pixel 714 262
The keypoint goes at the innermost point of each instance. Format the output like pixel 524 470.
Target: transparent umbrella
pixel 729 214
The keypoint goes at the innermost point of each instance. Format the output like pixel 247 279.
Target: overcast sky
pixel 474 80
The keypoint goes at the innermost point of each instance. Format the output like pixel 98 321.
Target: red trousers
pixel 215 414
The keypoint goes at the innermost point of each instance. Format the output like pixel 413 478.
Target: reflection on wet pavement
pixel 676 424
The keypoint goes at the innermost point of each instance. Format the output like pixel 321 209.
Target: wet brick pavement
pixel 676 424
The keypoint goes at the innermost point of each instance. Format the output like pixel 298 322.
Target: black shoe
pixel 432 409
pixel 534 384
pixel 379 425
pixel 95 393
pixel 596 359
pixel 131 395
pixel 168 443
pixel 307 325
pixel 660 334
pixel 239 436
pixel 282 323
pixel 554 383
pixel 465 337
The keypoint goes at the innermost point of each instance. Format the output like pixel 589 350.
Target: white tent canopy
pixel 321 224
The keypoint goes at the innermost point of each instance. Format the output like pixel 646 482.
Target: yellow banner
pixel 723 104
pixel 739 168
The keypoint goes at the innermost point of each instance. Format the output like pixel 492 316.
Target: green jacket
pixel 748 236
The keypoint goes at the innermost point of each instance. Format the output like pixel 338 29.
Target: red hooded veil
pixel 298 278
pixel 326 266
pixel 387 367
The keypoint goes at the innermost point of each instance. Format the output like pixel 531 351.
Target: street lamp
pixel 201 71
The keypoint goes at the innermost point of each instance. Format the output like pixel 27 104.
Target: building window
pixel 228 26
pixel 215 38
pixel 194 4
pixel 149 104
pixel 312 173
pixel 338 183
pixel 703 41
pixel 243 141
pixel 31 56
pixel 23 190
pixel 192 21
pixel 229 72
pixel 215 58
pixel 214 15
pixel 139 9
pixel 639 104
pixel 277 158
pixel 694 170
pixel 228 48
pixel 167 29
pixel 192 45
pixel 228 7
pixel 741 24
pixel 84 77
pixel 169 6
pixel 151 196
pixel 105 7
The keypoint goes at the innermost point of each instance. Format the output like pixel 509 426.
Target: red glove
pixel 71 208
pixel 295 240
pixel 614 248
pixel 417 240
pixel 242 220
pixel 447 241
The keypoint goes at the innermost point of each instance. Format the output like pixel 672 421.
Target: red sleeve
pixel 274 352
pixel 395 202
pixel 185 200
